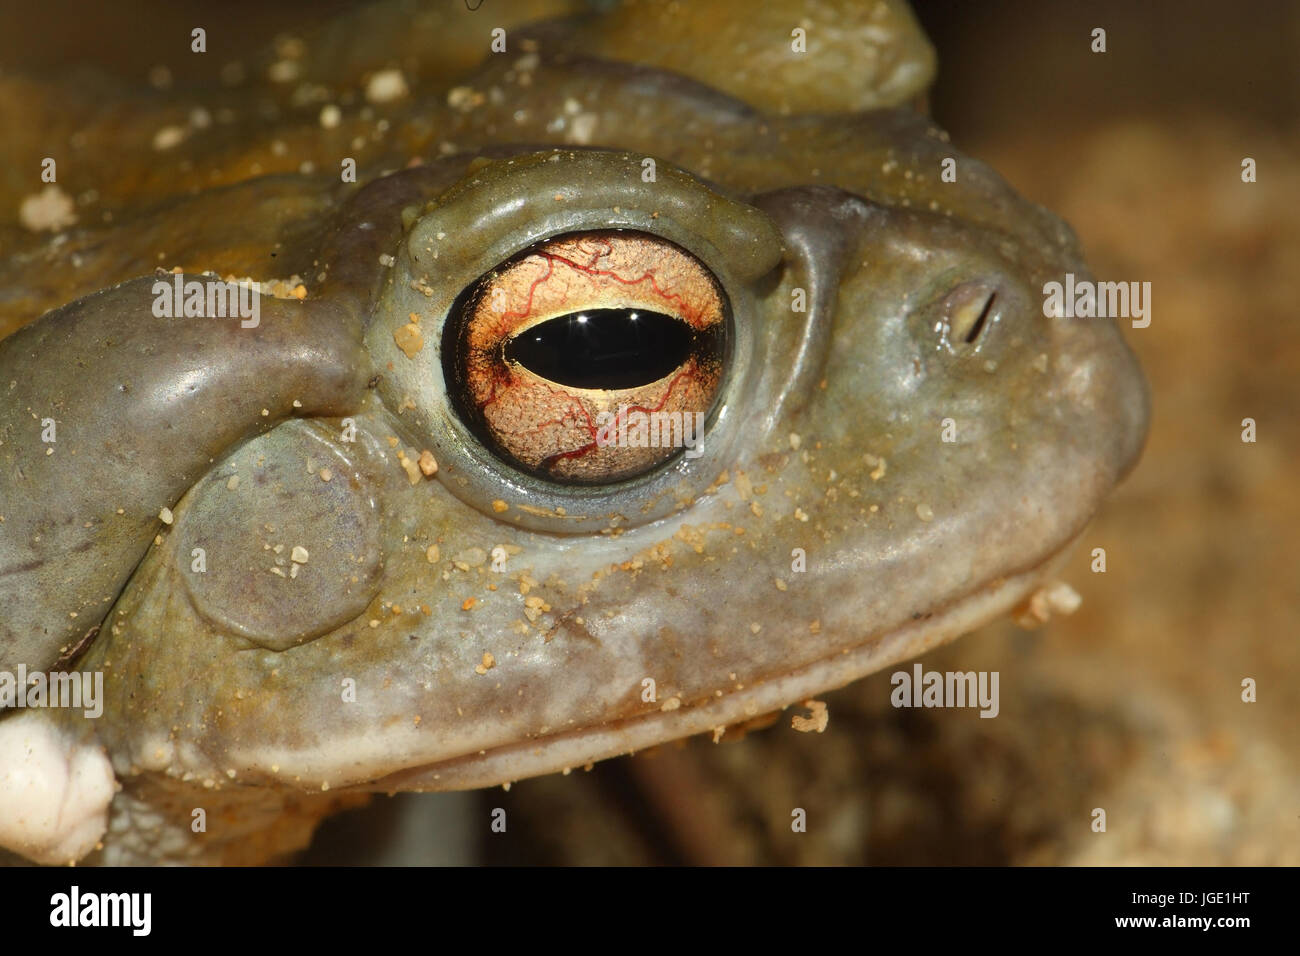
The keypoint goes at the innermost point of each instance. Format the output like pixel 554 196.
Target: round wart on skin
pixel 589 358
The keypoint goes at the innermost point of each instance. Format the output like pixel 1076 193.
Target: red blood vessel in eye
pixel 550 427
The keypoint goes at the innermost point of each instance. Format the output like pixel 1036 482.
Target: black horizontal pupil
pixel 603 348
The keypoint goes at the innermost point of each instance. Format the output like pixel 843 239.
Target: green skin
pixel 226 690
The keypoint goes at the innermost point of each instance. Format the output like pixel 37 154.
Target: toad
pixel 616 377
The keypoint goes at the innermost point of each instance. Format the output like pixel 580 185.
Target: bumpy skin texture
pixel 225 690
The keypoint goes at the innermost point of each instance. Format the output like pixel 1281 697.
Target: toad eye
pixel 589 358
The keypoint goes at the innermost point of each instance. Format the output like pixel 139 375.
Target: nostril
pixel 969 309
pixel 978 327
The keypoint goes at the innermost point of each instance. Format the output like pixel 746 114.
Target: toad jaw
pixel 562 751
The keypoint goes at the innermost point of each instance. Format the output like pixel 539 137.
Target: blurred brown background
pixel 1134 703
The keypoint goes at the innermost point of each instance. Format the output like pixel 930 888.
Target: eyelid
pixel 505 206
